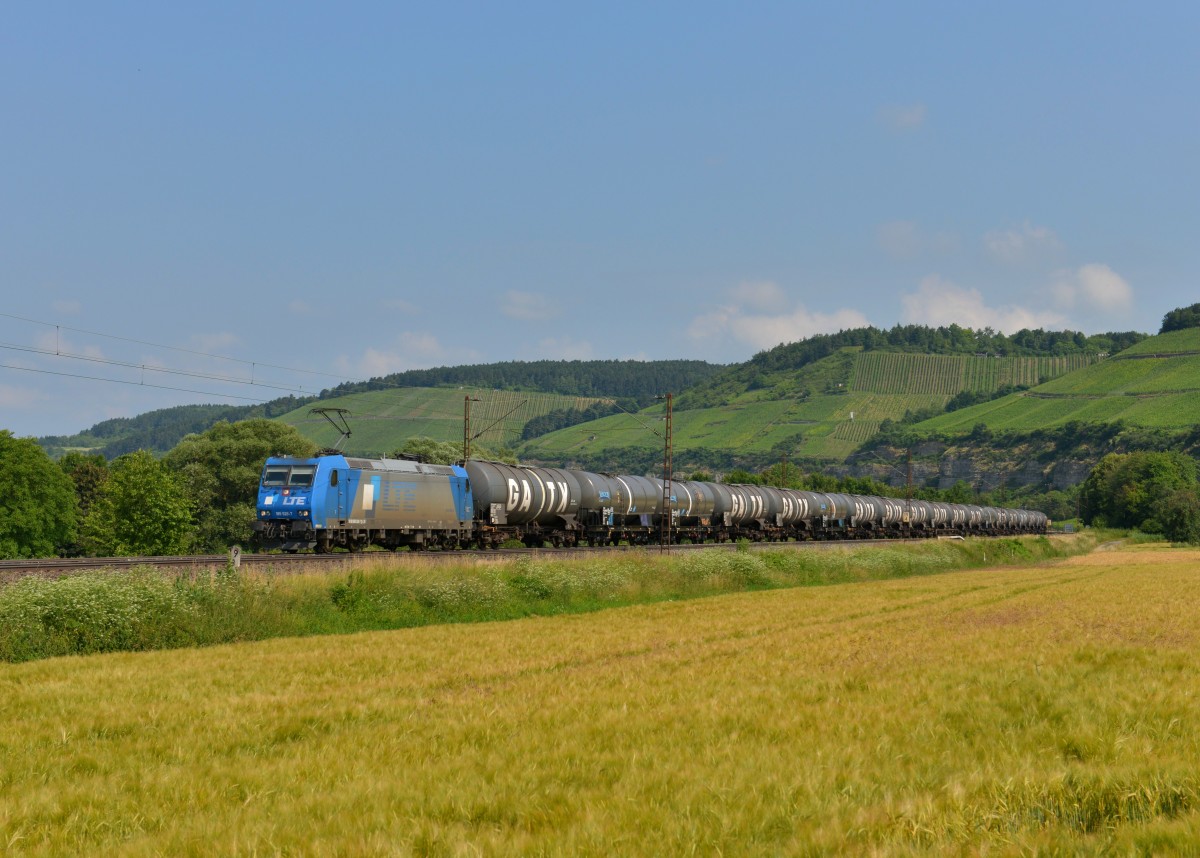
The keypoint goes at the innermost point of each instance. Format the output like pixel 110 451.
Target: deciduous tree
pixel 220 470
pixel 1130 489
pixel 88 472
pixel 1180 516
pixel 37 501
pixel 1181 318
pixel 142 508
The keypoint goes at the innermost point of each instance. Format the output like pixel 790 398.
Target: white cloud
pixel 761 315
pixel 899 239
pixel 67 308
pixel 153 362
pixel 565 348
pixel 21 398
pixel 410 350
pixel 903 117
pixel 1094 289
pixel 938 302
pixel 1013 246
pixel 395 305
pixel 762 296
pixel 213 342
pixel 527 306
pixel 58 343
pixel 904 239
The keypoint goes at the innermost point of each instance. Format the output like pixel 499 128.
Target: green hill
pixel 777 368
pixel 1154 384
pixel 576 381
pixel 160 430
pixel 382 420
pixel 822 411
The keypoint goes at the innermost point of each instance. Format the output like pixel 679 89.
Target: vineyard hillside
pixel 1154 384
pixel 881 372
pixel 821 412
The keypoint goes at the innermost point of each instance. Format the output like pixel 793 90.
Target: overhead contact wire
pixel 151 368
pixel 132 383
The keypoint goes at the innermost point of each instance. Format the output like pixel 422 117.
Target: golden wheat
pixel 1048 708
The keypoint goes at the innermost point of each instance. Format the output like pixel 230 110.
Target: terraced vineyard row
pixel 948 375
pixel 857 431
pixel 886 406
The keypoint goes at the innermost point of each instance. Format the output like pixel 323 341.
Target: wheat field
pixel 1047 708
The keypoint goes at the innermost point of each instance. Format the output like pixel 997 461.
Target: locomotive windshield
pixel 300 476
pixel 274 475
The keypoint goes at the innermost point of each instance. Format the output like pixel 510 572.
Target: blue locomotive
pixel 336 501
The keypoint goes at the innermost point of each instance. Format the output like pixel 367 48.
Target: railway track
pixel 13 570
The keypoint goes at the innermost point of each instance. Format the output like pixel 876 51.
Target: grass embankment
pixel 144 609
pixel 1046 709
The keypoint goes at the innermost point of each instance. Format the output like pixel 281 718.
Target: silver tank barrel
pixel 526 494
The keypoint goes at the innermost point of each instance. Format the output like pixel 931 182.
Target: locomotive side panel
pixel 402 495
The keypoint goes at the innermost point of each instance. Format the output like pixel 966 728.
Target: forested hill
pixel 758 372
pixel 160 430
pixel 632 379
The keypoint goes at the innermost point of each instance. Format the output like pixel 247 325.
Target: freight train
pixel 337 501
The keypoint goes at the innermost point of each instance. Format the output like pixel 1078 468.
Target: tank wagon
pixel 336 501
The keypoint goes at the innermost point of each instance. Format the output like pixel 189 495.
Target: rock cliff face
pixel 985 469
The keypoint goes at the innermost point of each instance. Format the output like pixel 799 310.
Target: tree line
pixel 1181 318
pixel 199 498
pixel 634 379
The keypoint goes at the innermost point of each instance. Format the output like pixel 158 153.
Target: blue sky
pixel 366 188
